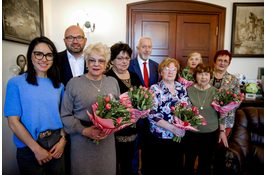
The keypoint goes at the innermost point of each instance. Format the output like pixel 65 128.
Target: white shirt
pixel 141 64
pixel 77 65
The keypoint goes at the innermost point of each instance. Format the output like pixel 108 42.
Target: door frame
pixel 174 7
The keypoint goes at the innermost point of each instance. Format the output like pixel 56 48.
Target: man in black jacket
pixel 72 59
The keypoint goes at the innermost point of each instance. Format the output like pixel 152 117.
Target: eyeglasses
pixel 93 61
pixel 40 55
pixel 72 38
pixel 225 61
pixel 172 69
pixel 122 59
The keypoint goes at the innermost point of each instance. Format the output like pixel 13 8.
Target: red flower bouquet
pixel 186 118
pixel 140 99
pixel 186 77
pixel 225 101
pixel 110 115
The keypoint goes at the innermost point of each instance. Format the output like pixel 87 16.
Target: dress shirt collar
pixel 70 56
pixel 140 61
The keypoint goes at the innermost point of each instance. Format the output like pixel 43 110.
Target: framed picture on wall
pixel 248 30
pixel 22 20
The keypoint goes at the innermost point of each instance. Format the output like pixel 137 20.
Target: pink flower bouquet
pixel 140 99
pixel 110 115
pixel 225 101
pixel 186 118
pixel 186 77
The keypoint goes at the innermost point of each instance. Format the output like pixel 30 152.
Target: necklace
pixel 203 100
pixel 98 88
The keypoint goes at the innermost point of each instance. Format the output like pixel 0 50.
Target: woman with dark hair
pixel 32 110
pixel 223 80
pixel 125 138
pixel 203 142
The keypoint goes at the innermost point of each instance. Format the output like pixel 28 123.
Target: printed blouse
pixel 162 102
pixel 229 81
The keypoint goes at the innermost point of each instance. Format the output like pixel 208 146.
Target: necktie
pixel 146 77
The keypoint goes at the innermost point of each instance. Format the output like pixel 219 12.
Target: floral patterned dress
pixel 162 103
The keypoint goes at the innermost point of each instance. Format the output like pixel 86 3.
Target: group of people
pixel 46 109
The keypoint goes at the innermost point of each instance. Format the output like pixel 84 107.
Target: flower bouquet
pixel 225 101
pixel 110 115
pixel 186 118
pixel 139 98
pixel 186 77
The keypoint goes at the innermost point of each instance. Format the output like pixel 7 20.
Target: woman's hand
pixel 223 137
pixel 170 127
pixel 177 131
pixel 42 155
pixel 94 133
pixel 144 116
pixel 58 149
pixel 223 115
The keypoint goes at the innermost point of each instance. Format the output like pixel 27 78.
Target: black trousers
pixel 28 164
pixel 124 153
pixel 164 156
pixel 203 146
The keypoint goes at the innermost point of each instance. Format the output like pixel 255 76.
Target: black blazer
pixel 66 73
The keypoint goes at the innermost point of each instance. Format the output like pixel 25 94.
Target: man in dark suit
pixel 72 59
pixel 147 70
pixel 144 48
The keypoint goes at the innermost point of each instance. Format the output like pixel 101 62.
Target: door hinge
pixel 216 31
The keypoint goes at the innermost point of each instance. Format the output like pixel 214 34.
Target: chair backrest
pixel 248 134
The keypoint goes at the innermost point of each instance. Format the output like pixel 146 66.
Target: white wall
pixel 110 18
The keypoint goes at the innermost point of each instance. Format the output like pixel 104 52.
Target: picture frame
pixel 22 63
pixel 22 20
pixel 248 30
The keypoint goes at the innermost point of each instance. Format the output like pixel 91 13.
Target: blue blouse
pixel 162 102
pixel 37 106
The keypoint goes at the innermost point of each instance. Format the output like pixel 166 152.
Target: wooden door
pixel 178 35
pixel 196 33
pixel 161 29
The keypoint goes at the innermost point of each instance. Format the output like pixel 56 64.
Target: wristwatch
pixel 64 137
pixel 223 131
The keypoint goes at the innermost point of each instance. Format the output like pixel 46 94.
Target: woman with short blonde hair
pixel 81 92
pixel 193 60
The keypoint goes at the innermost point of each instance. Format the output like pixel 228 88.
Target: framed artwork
pixel 248 30
pixel 22 63
pixel 22 20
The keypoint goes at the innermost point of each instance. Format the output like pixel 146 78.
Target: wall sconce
pixel 88 25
